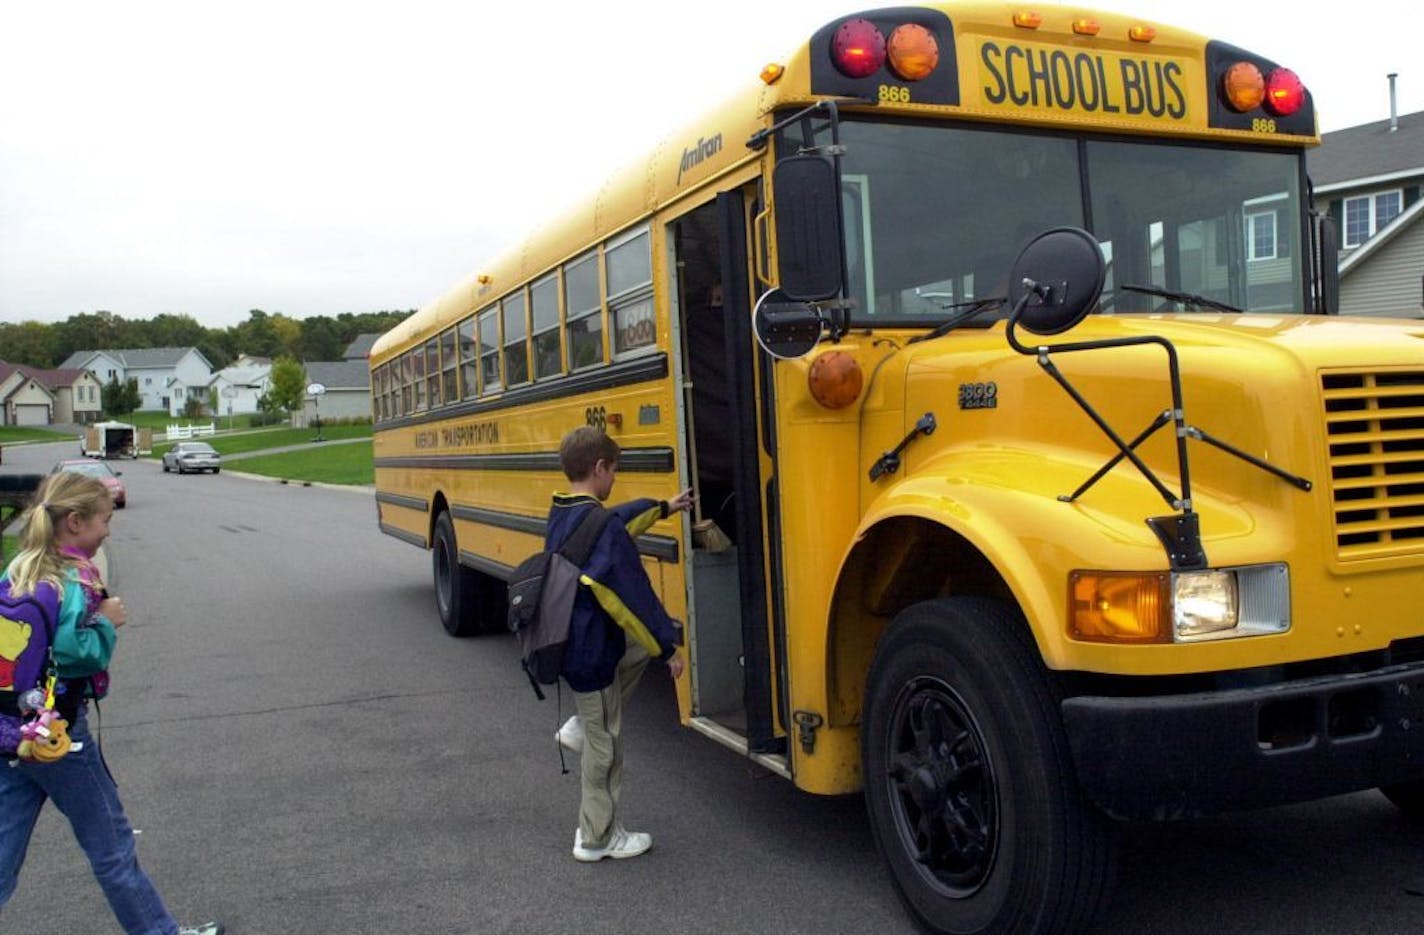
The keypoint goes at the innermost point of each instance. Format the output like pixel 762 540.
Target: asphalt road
pixel 306 751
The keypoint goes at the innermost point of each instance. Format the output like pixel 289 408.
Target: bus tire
pixel 456 587
pixel 1408 797
pixel 969 780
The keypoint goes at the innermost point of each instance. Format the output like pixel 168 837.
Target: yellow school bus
pixel 1039 486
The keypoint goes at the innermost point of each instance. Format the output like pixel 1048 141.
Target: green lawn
pixel 257 439
pixel 327 464
pixel 22 433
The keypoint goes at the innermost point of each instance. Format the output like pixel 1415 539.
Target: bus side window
pixel 516 343
pixel 544 313
pixel 489 350
pixel 584 312
pixel 432 374
pixel 630 298
pixel 469 364
pixel 449 365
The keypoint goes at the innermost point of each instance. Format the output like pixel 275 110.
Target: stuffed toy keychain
pixel 44 737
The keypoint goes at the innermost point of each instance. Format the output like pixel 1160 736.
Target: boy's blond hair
pixel 39 558
pixel 583 448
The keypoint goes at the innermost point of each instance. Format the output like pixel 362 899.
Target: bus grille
pixel 1375 424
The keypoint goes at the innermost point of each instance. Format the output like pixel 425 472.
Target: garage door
pixel 31 415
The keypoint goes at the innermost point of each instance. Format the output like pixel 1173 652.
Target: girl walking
pixel 60 534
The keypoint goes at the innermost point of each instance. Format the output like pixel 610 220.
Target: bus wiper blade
pixel 1190 300
pixel 970 309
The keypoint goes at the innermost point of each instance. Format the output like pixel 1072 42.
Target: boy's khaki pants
pixel 602 773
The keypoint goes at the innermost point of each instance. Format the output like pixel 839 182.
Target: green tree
pixel 289 384
pixel 29 342
pixel 320 340
pixel 258 335
pixel 93 331
pixel 120 399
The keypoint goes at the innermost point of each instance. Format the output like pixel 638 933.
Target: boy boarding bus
pixel 1038 486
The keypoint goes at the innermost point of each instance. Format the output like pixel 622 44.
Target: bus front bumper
pixel 1180 756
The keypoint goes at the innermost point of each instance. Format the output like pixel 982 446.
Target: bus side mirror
pixel 785 329
pixel 1328 296
pixel 810 243
pixel 1057 280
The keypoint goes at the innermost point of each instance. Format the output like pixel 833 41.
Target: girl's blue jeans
pixel 81 788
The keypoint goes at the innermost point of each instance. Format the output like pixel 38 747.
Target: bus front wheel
pixel 969 781
pixel 456 587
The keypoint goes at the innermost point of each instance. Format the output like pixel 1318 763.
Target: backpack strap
pixel 579 546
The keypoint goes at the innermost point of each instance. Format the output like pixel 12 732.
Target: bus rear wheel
pixel 969 781
pixel 456 587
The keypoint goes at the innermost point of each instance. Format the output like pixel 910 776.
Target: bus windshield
pixel 936 215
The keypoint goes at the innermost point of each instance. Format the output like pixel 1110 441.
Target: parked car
pixel 192 456
pixel 101 470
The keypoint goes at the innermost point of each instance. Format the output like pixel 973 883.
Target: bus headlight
pixel 1203 602
pixel 1180 607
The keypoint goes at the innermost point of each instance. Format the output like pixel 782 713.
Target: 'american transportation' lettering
pixel 705 149
pixel 458 436
pixel 1058 79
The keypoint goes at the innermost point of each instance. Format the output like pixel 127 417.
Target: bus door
pixel 728 638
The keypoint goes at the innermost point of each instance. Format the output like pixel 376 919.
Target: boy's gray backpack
pixel 541 600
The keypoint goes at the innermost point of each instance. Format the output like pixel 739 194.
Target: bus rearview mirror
pixel 809 242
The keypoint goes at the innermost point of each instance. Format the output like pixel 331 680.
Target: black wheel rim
pixel 941 787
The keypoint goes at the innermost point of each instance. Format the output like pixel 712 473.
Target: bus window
pixel 544 311
pixel 630 300
pixel 469 366
pixel 516 347
pixel 450 391
pixel 1199 220
pixel 407 383
pixel 489 351
pixel 584 312
pixel 432 373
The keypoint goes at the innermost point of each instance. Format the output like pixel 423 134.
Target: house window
pixel 1261 236
pixel 1365 215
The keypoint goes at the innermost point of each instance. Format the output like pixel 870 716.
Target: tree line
pixel 320 337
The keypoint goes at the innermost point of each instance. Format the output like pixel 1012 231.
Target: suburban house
pixel 31 396
pixel 360 348
pixel 347 395
pixel 1369 179
pixel 157 370
pixel 233 390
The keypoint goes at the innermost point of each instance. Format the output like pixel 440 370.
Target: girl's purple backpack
pixel 26 631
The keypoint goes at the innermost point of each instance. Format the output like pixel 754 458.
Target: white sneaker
pixel 621 843
pixel 571 734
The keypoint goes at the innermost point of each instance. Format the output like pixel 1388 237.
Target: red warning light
pixel 858 48
pixel 1284 92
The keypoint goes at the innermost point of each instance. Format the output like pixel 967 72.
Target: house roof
pixel 251 375
pixel 137 358
pixel 339 374
pixel 360 348
pixel 1368 151
pixel 49 379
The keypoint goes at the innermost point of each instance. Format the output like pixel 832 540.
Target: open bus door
pixel 732 660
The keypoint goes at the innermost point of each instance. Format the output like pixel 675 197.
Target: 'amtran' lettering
pixel 1058 79
pixel 706 148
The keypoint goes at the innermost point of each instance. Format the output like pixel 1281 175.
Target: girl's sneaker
pixel 207 928
pixel 621 843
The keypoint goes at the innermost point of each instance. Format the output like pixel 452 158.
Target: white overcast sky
pixel 312 158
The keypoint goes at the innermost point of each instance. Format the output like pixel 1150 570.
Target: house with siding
pixel 348 391
pixel 157 370
pixel 31 396
pixel 1370 179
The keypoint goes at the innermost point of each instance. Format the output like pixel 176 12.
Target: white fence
pixel 190 431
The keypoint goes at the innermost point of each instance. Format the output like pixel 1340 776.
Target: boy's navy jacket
pixel 618 598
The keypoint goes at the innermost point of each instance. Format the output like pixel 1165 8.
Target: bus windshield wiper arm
pixel 1186 298
pixel 969 310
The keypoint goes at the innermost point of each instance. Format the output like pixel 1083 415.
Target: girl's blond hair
pixel 39 558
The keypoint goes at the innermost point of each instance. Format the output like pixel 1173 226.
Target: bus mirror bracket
pixel 1058 279
pixel 1327 260
pixel 786 329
